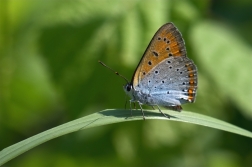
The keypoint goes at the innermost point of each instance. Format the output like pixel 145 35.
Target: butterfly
pixel 165 76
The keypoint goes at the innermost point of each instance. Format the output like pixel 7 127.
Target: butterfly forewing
pixel 167 42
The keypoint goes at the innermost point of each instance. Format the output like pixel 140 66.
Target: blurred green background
pixel 49 75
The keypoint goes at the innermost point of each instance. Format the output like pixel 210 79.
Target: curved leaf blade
pixel 114 116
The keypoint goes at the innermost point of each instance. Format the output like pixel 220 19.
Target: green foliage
pixel 49 75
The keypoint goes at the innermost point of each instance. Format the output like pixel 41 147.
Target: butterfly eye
pixel 128 88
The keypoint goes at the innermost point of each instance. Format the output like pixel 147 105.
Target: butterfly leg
pixel 167 116
pixel 125 106
pixel 130 108
pixel 141 110
pixel 153 107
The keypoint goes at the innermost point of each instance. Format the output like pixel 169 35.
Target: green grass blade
pixel 114 116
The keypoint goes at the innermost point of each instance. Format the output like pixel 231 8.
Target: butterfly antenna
pixel 113 71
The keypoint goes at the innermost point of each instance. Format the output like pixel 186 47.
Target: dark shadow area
pixel 120 113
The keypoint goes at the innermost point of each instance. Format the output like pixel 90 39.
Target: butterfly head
pixel 128 88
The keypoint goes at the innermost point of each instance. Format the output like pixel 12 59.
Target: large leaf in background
pixel 227 59
pixel 26 90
